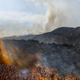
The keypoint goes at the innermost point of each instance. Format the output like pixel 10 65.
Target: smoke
pixel 15 23
pixel 51 18
pixel 55 13
pixel 54 18
pixel 60 13
pixel 36 28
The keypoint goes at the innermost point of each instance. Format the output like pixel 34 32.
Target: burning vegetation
pixel 16 64
pixel 33 70
pixel 4 59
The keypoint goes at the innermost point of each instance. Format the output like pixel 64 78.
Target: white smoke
pixel 36 28
pixel 60 13
pixel 51 17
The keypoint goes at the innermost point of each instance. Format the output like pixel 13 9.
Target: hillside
pixel 60 35
pixel 25 37
pixel 64 58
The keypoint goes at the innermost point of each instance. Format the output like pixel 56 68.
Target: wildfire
pixel 38 72
pixel 4 59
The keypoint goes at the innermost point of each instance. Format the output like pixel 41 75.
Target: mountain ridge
pixel 59 35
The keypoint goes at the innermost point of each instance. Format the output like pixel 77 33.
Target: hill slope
pixel 60 35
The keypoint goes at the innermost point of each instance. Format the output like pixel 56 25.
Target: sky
pixel 22 17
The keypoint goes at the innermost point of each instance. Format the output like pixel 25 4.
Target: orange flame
pixel 4 59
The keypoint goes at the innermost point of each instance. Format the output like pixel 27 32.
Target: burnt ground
pixel 63 58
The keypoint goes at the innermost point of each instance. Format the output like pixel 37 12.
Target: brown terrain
pixel 51 56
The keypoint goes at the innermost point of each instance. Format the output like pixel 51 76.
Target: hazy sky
pixel 20 17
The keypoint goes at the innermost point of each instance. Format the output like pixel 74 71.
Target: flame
pixel 43 74
pixel 38 76
pixel 69 78
pixel 4 59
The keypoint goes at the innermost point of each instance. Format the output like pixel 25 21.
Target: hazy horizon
pixel 22 17
pixel 34 34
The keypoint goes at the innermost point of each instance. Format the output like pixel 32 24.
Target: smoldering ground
pixel 11 55
pixel 51 55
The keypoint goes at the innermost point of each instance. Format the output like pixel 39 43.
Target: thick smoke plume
pixel 51 18
pixel 60 13
pixel 54 18
pixel 55 13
